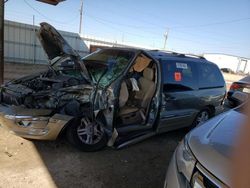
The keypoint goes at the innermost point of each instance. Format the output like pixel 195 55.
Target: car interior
pixel 137 90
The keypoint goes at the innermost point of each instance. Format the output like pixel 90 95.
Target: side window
pixel 210 76
pixel 179 76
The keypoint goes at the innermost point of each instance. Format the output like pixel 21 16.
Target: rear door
pixel 211 84
pixel 180 84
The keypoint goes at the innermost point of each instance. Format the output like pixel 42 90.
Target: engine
pixel 44 90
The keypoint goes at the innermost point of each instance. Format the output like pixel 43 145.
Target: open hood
pixel 53 43
pixel 55 46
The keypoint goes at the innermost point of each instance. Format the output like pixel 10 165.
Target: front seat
pixel 123 97
pixel 147 88
pixel 143 96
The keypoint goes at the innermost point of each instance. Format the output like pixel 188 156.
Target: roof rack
pixel 193 55
pixel 178 54
pixel 164 51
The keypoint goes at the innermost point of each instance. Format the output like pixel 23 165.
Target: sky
pixel 192 26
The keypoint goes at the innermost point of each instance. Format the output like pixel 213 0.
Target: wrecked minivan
pixel 114 97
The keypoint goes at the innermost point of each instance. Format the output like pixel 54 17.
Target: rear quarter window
pixel 210 76
pixel 179 76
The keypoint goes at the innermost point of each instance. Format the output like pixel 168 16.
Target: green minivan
pixel 112 97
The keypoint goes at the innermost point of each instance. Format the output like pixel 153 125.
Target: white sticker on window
pixel 181 66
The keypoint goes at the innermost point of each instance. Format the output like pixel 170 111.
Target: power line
pixel 158 36
pixel 137 27
pixel 131 26
pixel 153 33
pixel 214 38
pixel 105 23
pixel 152 24
pixel 202 43
pixel 134 26
pixel 214 23
pixel 115 23
pixel 41 14
pixel 176 28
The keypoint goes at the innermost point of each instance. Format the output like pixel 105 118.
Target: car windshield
pixel 107 65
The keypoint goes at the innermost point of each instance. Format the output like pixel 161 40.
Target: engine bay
pixel 51 81
pixel 51 89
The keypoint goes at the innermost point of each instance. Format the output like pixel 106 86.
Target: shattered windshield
pixel 107 65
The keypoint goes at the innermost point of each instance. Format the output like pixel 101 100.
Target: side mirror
pixel 240 97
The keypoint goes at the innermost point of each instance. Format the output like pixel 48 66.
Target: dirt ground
pixel 25 163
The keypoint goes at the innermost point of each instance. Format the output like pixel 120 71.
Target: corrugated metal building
pixel 23 46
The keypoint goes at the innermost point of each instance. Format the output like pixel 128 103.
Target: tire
pixel 202 117
pixel 86 136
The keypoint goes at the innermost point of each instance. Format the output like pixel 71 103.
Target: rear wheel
pixel 202 117
pixel 86 135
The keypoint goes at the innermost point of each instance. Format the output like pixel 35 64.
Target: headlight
pixel 185 159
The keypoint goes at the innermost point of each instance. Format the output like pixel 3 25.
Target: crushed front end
pixel 36 107
pixel 32 123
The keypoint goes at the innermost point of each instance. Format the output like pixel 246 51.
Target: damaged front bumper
pixel 32 123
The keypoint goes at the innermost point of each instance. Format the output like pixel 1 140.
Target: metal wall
pixel 23 46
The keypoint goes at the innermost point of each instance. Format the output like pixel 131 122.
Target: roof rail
pixel 178 54
pixel 193 55
pixel 164 51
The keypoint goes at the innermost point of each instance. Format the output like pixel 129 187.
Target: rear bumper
pixel 32 123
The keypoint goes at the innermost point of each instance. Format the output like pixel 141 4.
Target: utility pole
pixel 34 40
pixel 80 25
pixel 166 38
pixel 1 41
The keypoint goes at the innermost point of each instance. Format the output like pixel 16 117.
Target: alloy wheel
pixel 90 132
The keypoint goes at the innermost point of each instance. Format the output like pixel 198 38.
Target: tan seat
pixel 123 98
pixel 147 88
pixel 144 95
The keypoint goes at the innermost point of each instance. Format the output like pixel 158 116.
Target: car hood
pixel 56 46
pixel 53 43
pixel 212 143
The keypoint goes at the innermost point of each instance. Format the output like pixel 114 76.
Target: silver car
pixel 202 159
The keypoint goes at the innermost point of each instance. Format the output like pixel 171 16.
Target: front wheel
pixel 86 135
pixel 202 117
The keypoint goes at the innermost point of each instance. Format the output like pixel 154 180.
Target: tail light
pixel 235 86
